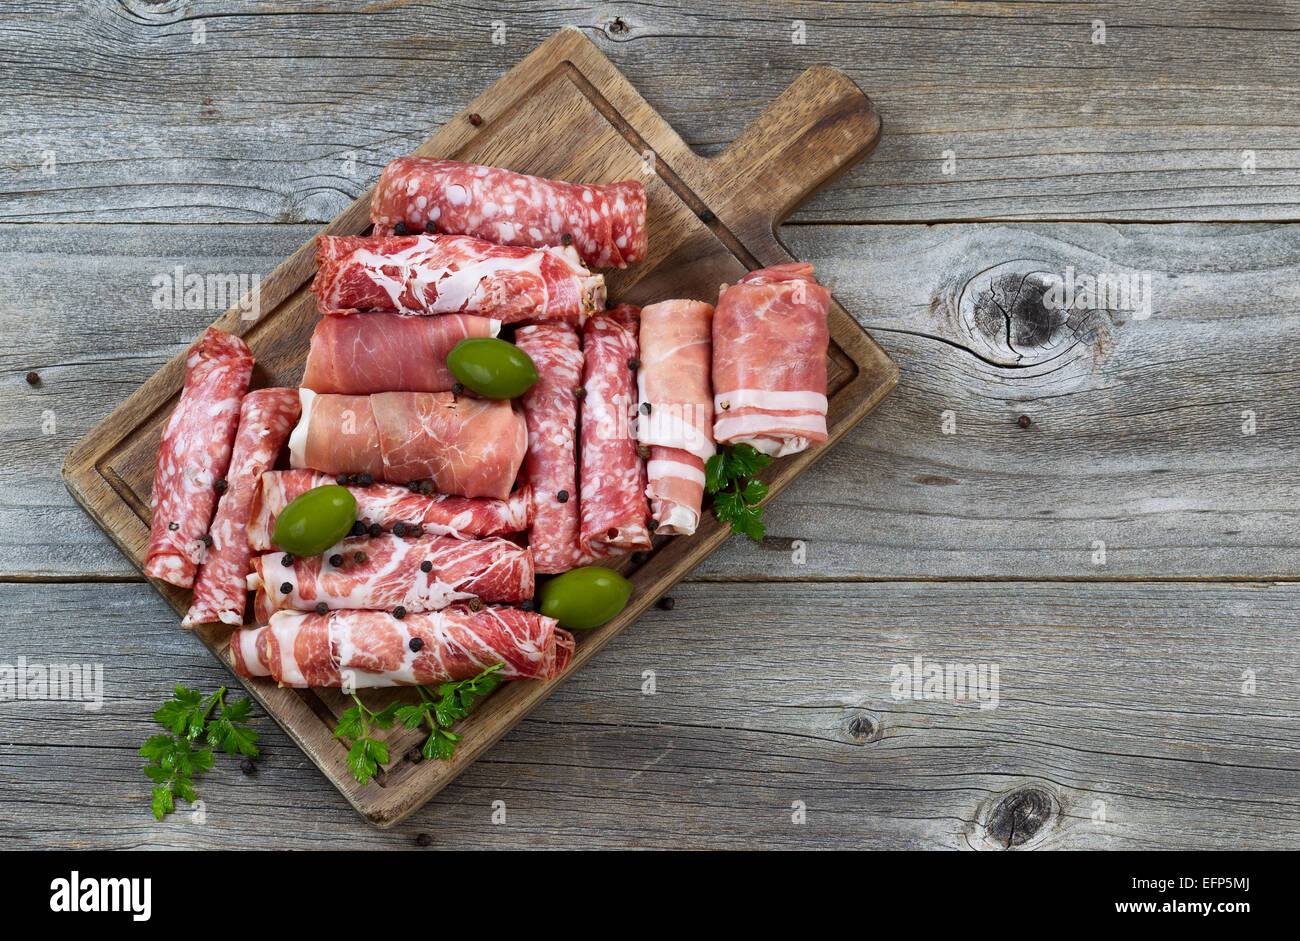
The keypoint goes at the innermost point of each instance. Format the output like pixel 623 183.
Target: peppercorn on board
pixel 563 112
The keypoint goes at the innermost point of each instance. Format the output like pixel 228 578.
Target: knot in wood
pixel 618 27
pixel 1018 816
pixel 861 727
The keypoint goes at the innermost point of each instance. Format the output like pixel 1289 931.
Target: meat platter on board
pixel 564 113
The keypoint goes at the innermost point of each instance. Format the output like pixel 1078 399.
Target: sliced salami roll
pixel 770 338
pixel 606 222
pixel 387 572
pixel 387 505
pixel 378 352
pixel 360 649
pixel 614 515
pixel 551 466
pixel 265 419
pixel 675 489
pixel 194 454
pixel 469 447
pixel 453 274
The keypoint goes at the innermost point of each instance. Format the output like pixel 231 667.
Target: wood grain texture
pixel 563 112
pixel 285 112
pixel 1128 695
pixel 1136 425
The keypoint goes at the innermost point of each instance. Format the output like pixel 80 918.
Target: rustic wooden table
pixel 1095 495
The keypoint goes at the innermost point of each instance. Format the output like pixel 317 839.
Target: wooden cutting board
pixel 564 112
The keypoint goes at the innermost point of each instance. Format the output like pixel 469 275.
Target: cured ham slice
pixel 770 338
pixel 360 649
pixel 380 352
pixel 386 572
pixel 453 274
pixel 606 222
pixel 675 489
pixel 468 447
pixel 194 454
pixel 614 516
pixel 551 465
pixel 676 416
pixel 266 417
pixel 385 505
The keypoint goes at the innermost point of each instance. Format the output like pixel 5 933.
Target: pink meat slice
pixel 465 446
pixel 614 515
pixel 386 572
pixel 675 489
pixel 379 352
pixel 373 648
pixel 605 222
pixel 551 465
pixel 770 339
pixel 265 420
pixel 452 274
pixel 194 454
pixel 381 504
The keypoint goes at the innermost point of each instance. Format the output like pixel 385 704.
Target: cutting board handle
pixel 819 127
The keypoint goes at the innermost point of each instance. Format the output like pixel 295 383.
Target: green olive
pixel 585 597
pixel 492 367
pixel 315 520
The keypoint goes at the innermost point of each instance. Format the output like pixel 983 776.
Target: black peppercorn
pixel 221 485
pixel 430 228
pixel 426 566
pixel 399 529
pixel 563 496
pixel 653 525
pixel 399 612
pixel 286 560
pixel 365 480
pixel 400 229
pixel 414 756
pixel 476 119
pixel 634 363
pixel 285 588
pixel 322 608
pixel 33 379
pixel 413 486
pixel 358 528
pixel 566 239
pixel 358 557
pixel 475 604
pixel 341 480
pixel 457 388
pixel 206 539
pixel 415 643
pixel 336 560
pixel 246 765
pixel 375 530
pixel 579 393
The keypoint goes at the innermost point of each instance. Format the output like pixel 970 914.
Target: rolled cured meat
pixel 453 274
pixel 194 454
pixel 266 417
pixel 551 465
pixel 614 516
pixel 386 505
pixel 770 338
pixel 387 572
pixel 360 649
pixel 676 415
pixel 380 352
pixel 468 447
pixel 605 222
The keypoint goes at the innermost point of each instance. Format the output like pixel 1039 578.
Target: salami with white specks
pixel 194 454
pixel 604 222
pixel 265 419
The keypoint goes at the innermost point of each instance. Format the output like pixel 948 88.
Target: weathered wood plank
pixel 218 111
pixel 1136 436
pixel 1127 695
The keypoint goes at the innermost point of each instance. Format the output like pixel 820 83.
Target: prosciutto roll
pixel 220 593
pixel 453 274
pixel 194 454
pixel 676 418
pixel 468 447
pixel 605 222
pixel 436 514
pixel 770 338
pixel 614 516
pixel 369 353
pixel 551 465
pixel 373 648
pixel 385 572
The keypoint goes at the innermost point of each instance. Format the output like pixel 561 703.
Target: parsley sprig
pixel 729 476
pixel 172 760
pixel 439 708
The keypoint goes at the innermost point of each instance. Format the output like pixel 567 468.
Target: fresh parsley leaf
pixel 728 475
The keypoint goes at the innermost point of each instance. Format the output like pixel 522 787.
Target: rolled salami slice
pixel 770 339
pixel 194 454
pixel 359 649
pixel 453 274
pixel 265 419
pixel 551 465
pixel 675 489
pixel 468 447
pixel 614 516
pixel 379 352
pixel 386 572
pixel 606 222
pixel 436 514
